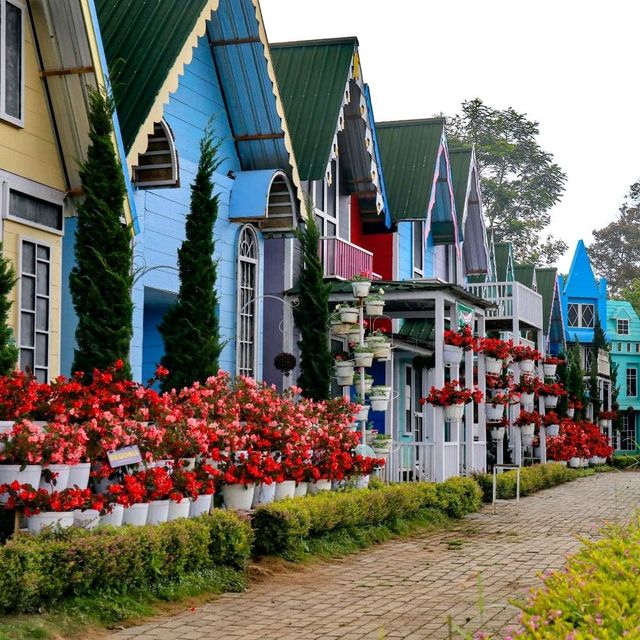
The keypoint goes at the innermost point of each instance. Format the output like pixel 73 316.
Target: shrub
pixel 283 527
pixel 38 571
pixel 626 462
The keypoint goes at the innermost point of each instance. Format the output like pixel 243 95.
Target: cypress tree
pixel 311 316
pixel 102 278
pixel 575 378
pixel 190 329
pixel 8 349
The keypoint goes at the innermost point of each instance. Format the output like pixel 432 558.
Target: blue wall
pixel 405 251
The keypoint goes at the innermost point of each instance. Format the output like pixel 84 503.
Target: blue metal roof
pixel 250 194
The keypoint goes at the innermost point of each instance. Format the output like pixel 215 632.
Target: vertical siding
pixel 405 251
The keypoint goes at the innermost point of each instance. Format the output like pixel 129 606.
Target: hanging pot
pixel 494 412
pixel 526 399
pixel 497 433
pixel 345 381
pixel 354 336
pixel 368 383
pixel 349 315
pixel 603 423
pixel 493 366
pixel 345 367
pixel 527 441
pixel 549 370
pixel 378 403
pixel 526 366
pixel 364 358
pixel 550 402
pixel 361 288
pixel 552 430
pixel 451 354
pixel 382 351
pixel 342 328
pixel 571 412
pixel 528 429
pixel 381 388
pixel 363 414
pixel 374 308
pixel 454 412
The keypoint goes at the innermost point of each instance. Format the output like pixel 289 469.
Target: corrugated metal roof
pixel 417 330
pixel 142 41
pixel 312 77
pixel 504 261
pixel 460 160
pixel 525 274
pixel 546 281
pixel 409 152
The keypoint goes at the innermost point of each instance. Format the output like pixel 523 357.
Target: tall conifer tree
pixel 102 278
pixel 8 349
pixel 190 328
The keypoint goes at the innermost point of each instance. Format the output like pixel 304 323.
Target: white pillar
pixel 438 381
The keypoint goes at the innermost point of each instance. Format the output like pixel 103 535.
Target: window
pixel 158 165
pixel 580 315
pixel 39 212
pixel 246 332
pixel 418 248
pixel 588 315
pixel 623 327
pixel 35 281
pixel 11 61
pixel 632 382
pixel 626 440
pixel 628 347
pixel 618 346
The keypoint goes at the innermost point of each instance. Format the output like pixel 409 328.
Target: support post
pixel 438 375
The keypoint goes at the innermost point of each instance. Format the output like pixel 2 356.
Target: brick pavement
pixel 407 588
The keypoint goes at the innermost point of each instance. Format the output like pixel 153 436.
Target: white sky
pixel 572 66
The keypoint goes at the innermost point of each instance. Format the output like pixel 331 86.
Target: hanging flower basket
pixel 345 367
pixel 552 430
pixel 345 381
pixel 452 354
pixel 571 412
pixel 603 423
pixel 526 399
pixel 353 335
pixel 363 414
pixel 342 329
pixel 549 370
pixel 454 412
pixel 179 509
pixel 374 307
pixel 494 413
pixel 382 351
pixel 361 288
pixel 264 494
pixel 527 440
pixel 550 402
pixel 364 358
pixel 381 390
pixel 528 429
pixel 379 403
pixel 368 382
pixel 526 366
pixel 493 366
pixel 497 433
pixel 349 315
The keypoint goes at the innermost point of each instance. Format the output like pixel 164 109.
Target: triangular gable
pixel 547 286
pixel 503 258
pixel 581 280
pixel 525 274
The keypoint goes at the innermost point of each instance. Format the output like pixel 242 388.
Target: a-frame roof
pixel 525 274
pixel 503 256
pixel 581 280
pixel 546 279
pixel 460 173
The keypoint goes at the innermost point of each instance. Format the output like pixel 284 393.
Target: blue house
pixel 177 68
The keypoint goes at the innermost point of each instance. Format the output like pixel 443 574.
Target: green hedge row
pixel 38 571
pixel 283 527
pixel 626 461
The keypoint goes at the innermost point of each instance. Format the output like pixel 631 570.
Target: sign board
pixel 465 314
pixel 124 456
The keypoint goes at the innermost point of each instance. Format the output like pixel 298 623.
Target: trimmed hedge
pixel 283 527
pixel 38 571
pixel 628 461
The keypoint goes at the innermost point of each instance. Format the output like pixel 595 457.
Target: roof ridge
pixel 460 150
pixel 315 42
pixel 409 123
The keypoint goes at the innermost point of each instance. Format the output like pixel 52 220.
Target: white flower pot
pixel 574 462
pixel 492 366
pixel 382 351
pixel 382 452
pixel 158 511
pixel 364 358
pixel 380 388
pixel 375 308
pixel 526 399
pixel 497 433
pixel 345 368
pixel 201 505
pixel 61 482
pixel 342 329
pixel 79 475
pixel 363 414
pixel 362 482
pixel 549 370
pixel 238 496
pixel 378 403
pixel 264 494
pixel 285 489
pixel 550 402
pixel 350 315
pixel 136 514
pixel 11 472
pixel 114 519
pixel 179 509
pixel 603 423
pixel 87 519
pixel 187 464
pixel 354 336
pixel 584 462
pixel 452 354
pixel 367 385
pixel 361 288
pixel 528 429
pixel 319 485
pixel 494 413
pixel 552 430
pixel 526 366
pixel 301 489
pixel 454 412
pixel 595 460
pixel 537 452
pixel 344 381
pixel 49 519
pixel 527 441
pixel 374 341
pixel 570 412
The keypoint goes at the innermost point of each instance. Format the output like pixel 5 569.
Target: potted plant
pixel 605 417
pixel 348 313
pixel 132 495
pixel 452 398
pixel 344 365
pixel 374 303
pixel 550 394
pixel 21 458
pixel 552 424
pixel 528 421
pixel 456 342
pixel 527 388
pixel 550 364
pixel 186 488
pixel 382 351
pixel 379 399
pixel 361 284
pixel 374 338
pixel 285 363
pixel 495 406
pixel 572 406
pixel 206 475
pixel 525 356
pixel 496 353
pixel 497 432
pixel 239 480
pixel 363 410
pixel 363 356
pixel 381 445
pixel 368 382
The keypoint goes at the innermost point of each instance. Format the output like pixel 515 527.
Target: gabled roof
pixel 525 274
pixel 581 280
pixel 546 279
pixel 616 308
pixel 503 256
pixel 460 174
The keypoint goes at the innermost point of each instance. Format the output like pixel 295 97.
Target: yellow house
pixel 49 57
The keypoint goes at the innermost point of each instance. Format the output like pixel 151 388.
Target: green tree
pixel 631 293
pixel 598 344
pixel 615 250
pixel 311 316
pixel 102 278
pixel 190 329
pixel 520 181
pixel 8 349
pixel 575 378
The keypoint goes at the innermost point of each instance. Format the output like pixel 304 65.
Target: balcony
pixel 343 260
pixel 512 300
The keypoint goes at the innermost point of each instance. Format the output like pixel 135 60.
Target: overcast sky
pixel 572 66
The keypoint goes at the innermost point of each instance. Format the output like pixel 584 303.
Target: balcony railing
pixel 343 260
pixel 604 368
pixel 512 299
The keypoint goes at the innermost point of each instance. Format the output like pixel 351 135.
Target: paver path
pixel 407 588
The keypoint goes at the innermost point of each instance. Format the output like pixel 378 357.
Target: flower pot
pixel 201 505
pixel 378 403
pixel 136 514
pixel 453 412
pixel 342 329
pixel 263 494
pixel 368 383
pixel 380 389
pixel 362 482
pixel 494 413
pixel 374 341
pixel 552 430
pixel 497 433
pixel 345 368
pixel 550 402
pixel 114 519
pixel 574 462
pixel 87 519
pixel 452 354
pixel 158 511
pixel 50 520
pixel 571 412
pixel 584 462
pixel 528 429
pixel 301 489
pixel 382 452
pixel 596 460
pixel 363 414
pixel 285 489
pixel 549 370
pixel 179 509
pixel 527 441
pixel 537 452
pixel 79 475
pixel 603 423
pixel 187 464
pixel 354 336
pixel 319 485
pixel 374 308
pixel 238 496
pixel 350 315
pixel 61 482
pixel 364 358
pixel 361 288
pixel 11 472
pixel 526 366
pixel 382 351
pixel 493 366
pixel 526 399
pixel 344 381
pixel 5 427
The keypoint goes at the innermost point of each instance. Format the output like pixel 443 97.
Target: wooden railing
pixel 411 462
pixel 343 260
pixel 510 299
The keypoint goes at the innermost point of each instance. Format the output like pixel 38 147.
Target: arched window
pixel 246 330
pixel 158 165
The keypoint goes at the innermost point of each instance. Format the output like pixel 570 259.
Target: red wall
pixel 380 244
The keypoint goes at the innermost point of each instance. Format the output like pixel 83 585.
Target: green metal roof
pixel 416 330
pixel 409 153
pixel 525 274
pixel 504 261
pixel 546 281
pixel 460 166
pixel 312 77
pixel 142 40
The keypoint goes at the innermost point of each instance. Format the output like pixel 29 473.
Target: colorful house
pixel 553 325
pixel 623 329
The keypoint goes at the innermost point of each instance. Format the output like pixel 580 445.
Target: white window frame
pixel 634 378
pixel 580 305
pixel 19 4
pixel 618 326
pixel 321 213
pixel 42 243
pixel 242 365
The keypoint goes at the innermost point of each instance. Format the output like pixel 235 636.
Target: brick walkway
pixel 406 589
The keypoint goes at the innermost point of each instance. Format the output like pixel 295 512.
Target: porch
pixel 342 259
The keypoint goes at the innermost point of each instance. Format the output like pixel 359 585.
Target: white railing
pixel 479 457
pixel 604 368
pixel 343 260
pixel 451 459
pixel 510 299
pixel 411 462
